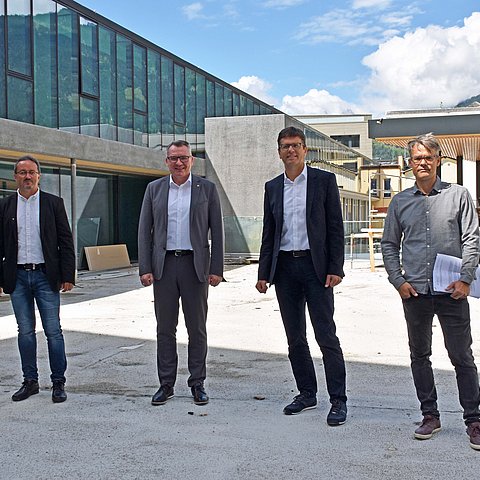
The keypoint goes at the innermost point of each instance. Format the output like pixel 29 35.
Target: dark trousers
pixel 454 317
pixel 297 284
pixel 179 280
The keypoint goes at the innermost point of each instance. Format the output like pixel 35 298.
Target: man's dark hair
pixel 179 143
pixel 291 132
pixel 23 159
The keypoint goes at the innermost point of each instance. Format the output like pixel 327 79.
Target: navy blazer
pixel 205 219
pixel 55 235
pixel 324 225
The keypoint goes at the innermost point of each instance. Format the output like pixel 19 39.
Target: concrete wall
pixel 242 155
pixel 56 147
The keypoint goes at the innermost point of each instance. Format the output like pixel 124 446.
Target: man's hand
pixel 332 281
pixel 146 279
pixel 261 286
pixel 406 291
pixel 460 289
pixel 66 286
pixel 214 280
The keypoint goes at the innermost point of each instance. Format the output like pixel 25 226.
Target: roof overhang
pixel 458 135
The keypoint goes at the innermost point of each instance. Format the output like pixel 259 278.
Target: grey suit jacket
pixel 324 225
pixel 205 218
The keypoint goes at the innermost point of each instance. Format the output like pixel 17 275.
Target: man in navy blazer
pixel 302 253
pixel 179 213
pixel 37 261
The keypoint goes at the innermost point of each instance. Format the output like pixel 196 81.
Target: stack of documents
pixel 447 270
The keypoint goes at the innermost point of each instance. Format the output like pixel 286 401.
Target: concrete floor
pixel 108 428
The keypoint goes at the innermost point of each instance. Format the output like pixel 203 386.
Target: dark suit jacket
pixel 56 237
pixel 205 217
pixel 324 225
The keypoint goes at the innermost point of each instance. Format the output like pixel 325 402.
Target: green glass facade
pixel 65 67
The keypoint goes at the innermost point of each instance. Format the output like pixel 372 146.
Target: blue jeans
pixel 454 318
pixel 33 286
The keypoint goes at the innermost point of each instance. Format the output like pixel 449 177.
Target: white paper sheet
pixel 447 270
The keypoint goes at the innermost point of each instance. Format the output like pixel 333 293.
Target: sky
pixel 321 56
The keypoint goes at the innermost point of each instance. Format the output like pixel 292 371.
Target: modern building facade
pixel 98 105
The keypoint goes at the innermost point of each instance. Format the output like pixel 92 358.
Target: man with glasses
pixel 178 214
pixel 429 218
pixel 37 261
pixel 302 253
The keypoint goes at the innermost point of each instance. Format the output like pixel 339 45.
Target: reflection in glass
pixel 68 70
pixel 210 99
pixel 190 95
pixel 89 124
pixel 3 87
pixel 45 62
pixel 19 24
pixel 140 129
pixel 201 103
pixel 20 99
pixel 179 94
pixel 167 100
pixel 140 78
pixel 108 83
pixel 124 89
pixel 89 56
pixel 219 108
pixel 154 97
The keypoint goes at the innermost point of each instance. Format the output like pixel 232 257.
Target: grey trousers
pixel 180 281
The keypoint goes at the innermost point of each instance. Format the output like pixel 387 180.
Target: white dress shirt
pixel 28 227
pixel 294 231
pixel 178 229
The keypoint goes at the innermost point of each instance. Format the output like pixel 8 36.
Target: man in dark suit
pixel 37 261
pixel 178 214
pixel 302 253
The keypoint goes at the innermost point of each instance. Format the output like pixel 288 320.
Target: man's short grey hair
pixel 25 158
pixel 428 140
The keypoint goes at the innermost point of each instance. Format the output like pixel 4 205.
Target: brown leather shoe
pixel 429 426
pixel 473 431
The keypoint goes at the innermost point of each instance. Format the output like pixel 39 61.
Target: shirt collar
pixel 437 187
pixel 183 185
pixel 31 198
pixel 303 174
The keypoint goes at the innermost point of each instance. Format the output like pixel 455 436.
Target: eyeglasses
pixel 23 173
pixel 427 158
pixel 182 158
pixel 286 146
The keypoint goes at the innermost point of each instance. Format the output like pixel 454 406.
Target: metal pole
pixel 73 204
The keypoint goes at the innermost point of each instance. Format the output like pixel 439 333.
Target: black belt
pixel 295 253
pixel 31 266
pixel 180 253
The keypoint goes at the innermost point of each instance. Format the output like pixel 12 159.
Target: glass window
pixel 236 104
pixel 249 106
pixel 190 97
pixel 19 33
pixel 45 63
pixel 140 78
pixel 201 103
pixel 124 89
pixel 243 105
pixel 140 129
pixel 167 100
pixel 387 187
pixel 68 70
pixel 89 117
pixel 219 104
pixel 256 109
pixel 89 56
pixel 179 82
pixel 210 99
pixel 3 89
pixel 20 99
pixel 154 99
pixel 228 101
pixel 108 83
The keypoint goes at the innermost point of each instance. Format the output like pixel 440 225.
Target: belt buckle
pixel 297 254
pixel 178 253
pixel 28 267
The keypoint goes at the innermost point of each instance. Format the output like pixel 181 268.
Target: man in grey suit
pixel 302 253
pixel 178 214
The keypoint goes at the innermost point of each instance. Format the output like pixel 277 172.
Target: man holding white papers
pixel 429 218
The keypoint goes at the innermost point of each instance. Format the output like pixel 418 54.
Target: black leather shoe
pixel 200 397
pixel 58 392
pixel 162 395
pixel 301 402
pixel 337 414
pixel 29 387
